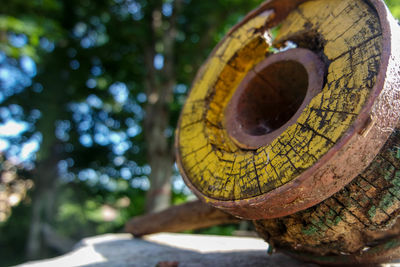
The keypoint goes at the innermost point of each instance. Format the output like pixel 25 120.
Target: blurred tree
pixel 394 6
pixel 94 89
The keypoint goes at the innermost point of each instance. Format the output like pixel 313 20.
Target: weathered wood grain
pixel 354 221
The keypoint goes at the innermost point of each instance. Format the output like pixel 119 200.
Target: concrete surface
pixel 165 249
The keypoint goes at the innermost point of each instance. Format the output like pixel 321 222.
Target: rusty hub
pixel 272 97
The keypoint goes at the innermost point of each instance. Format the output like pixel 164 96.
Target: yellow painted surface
pixel 350 36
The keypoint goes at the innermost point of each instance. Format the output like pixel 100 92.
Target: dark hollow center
pixel 272 97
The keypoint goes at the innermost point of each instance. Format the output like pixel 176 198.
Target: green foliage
pixel 82 215
pixel 31 26
pixel 219 230
pixel 394 6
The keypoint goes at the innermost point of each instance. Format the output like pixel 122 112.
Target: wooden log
pixel 360 222
pixel 304 142
pixel 188 216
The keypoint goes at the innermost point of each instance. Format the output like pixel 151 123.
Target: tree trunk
pixel 159 195
pixel 43 203
pixel 160 85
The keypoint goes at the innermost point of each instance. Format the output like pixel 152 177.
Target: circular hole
pixel 271 97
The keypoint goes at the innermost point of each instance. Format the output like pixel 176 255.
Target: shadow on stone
pixel 119 250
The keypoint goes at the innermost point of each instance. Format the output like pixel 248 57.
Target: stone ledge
pixel 118 250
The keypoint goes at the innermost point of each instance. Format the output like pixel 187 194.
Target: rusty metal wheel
pixel 289 117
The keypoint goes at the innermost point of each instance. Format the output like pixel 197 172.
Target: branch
pixel 188 216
